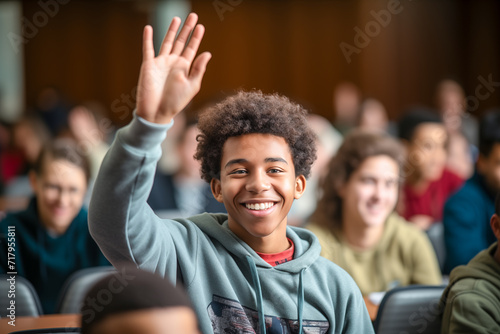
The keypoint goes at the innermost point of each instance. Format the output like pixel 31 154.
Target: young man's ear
pixel 495 225
pixel 300 186
pixel 216 189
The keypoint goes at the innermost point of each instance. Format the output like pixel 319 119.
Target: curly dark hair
pixel 356 148
pixel 254 112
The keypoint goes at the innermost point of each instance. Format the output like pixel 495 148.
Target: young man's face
pixel 427 151
pixel 60 191
pixel 489 167
pixel 257 186
pixel 370 194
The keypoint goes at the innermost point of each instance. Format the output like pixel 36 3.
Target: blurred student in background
pixel 183 193
pixel 142 303
pixel 346 100
pixel 52 107
pixel 372 116
pixel 11 159
pixel 52 237
pixel 328 140
pixel 356 223
pixel 472 299
pixel 451 105
pixel 428 182
pixel 29 136
pixel 467 213
pixel 462 127
pixel 90 129
pixel 460 157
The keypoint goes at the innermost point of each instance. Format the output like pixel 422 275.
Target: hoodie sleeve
pixel 120 220
pixel 357 319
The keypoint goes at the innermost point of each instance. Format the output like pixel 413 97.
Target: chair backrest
pixel 76 286
pixel 411 309
pixel 436 237
pixel 57 330
pixel 19 290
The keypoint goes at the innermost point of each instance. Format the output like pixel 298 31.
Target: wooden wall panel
pixel 89 49
pixel 92 49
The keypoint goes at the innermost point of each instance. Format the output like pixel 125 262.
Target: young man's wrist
pixel 144 134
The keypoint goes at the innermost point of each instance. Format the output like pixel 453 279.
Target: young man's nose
pixel 258 182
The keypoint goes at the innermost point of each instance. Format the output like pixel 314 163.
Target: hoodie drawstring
pixel 300 301
pixel 258 292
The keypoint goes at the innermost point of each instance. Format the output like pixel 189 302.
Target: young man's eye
pixel 238 171
pixel 275 170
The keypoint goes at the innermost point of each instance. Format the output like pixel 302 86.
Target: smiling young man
pixel 245 271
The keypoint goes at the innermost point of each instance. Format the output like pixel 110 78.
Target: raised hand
pixel 168 82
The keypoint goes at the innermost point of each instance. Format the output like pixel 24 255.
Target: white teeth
pixel 259 206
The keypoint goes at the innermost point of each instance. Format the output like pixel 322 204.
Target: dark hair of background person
pixel 489 131
pixel 63 149
pixel 414 117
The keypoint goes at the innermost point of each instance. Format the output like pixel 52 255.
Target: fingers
pixel 148 51
pixel 192 48
pixel 168 41
pixel 199 67
pixel 181 40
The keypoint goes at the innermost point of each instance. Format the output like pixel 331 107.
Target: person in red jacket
pixel 428 182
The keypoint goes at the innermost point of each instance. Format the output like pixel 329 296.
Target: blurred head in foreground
pixel 133 301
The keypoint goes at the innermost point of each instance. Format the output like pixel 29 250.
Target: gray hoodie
pixel 232 288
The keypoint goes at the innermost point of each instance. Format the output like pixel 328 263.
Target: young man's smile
pixel 258 185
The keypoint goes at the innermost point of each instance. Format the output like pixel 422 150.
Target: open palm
pixel 168 82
